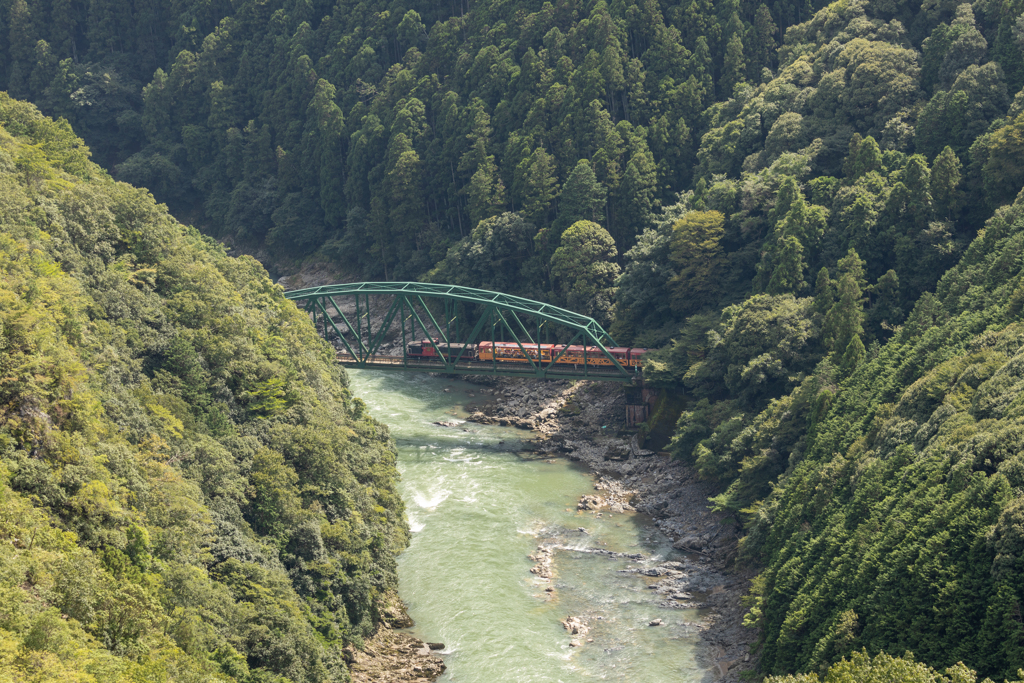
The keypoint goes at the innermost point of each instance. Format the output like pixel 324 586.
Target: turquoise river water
pixel 478 505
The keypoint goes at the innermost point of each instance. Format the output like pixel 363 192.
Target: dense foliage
pixel 898 524
pixel 809 208
pixel 187 490
pixel 860 668
pixel 380 137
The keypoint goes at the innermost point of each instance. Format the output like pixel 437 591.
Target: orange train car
pixel 511 352
pixel 573 355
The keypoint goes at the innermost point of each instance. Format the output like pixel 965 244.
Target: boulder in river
pixel 576 626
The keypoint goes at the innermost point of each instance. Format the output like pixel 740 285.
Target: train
pixel 511 352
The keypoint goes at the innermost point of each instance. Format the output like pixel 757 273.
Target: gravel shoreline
pixel 581 421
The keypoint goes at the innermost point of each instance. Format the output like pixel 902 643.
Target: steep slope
pixel 189 492
pixel 817 168
pixel 899 525
pixel 380 135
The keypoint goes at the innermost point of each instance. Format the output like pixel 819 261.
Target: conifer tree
pixel 853 355
pixel 406 216
pixel 538 185
pixel 853 264
pixel 885 311
pixel 63 29
pixel 734 68
pixel 917 179
pixel 323 147
pixel 21 47
pixel 843 322
pixel 788 275
pixel 582 197
pixel 485 191
pixel 945 184
pixel 792 242
pixel 637 191
pixel 762 43
pixel 824 292
pixel 613 73
pixel 701 67
pixel 108 26
pixel 864 157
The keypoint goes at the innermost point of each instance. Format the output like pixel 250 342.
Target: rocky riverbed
pixel 582 421
pixel 393 656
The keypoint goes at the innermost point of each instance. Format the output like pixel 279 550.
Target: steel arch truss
pixel 456 316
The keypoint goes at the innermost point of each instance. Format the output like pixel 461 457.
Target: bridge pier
pixel 639 404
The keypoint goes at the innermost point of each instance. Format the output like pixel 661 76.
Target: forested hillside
pixel 380 136
pixel 812 211
pixel 187 490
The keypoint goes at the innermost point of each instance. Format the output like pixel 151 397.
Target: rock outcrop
pixel 391 656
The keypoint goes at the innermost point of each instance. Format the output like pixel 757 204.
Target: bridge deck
pixel 463 367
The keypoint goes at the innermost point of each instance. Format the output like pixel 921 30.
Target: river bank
pixel 581 421
pixel 394 656
pixel 694 591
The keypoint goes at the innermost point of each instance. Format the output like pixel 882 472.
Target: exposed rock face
pixel 395 657
pixel 689 543
pixel 392 656
pixel 313 274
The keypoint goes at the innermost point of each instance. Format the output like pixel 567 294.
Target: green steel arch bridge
pixel 366 320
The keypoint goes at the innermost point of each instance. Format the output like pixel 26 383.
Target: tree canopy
pixel 811 211
pixel 188 491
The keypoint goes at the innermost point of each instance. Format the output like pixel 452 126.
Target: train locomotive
pixel 511 352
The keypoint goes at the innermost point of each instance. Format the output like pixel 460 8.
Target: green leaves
pixel 997 155
pixel 898 511
pixel 883 668
pixel 174 436
pixel 582 197
pixel 583 270
pixel 698 257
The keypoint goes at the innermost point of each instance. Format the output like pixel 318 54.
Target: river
pixel 478 506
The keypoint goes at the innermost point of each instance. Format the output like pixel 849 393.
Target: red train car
pixel 424 349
